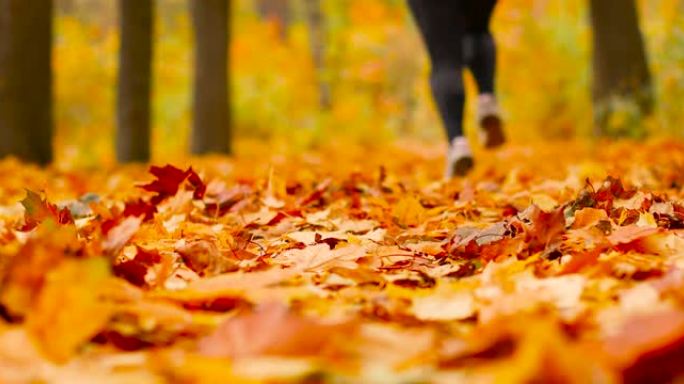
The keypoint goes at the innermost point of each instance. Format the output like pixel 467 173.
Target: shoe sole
pixel 462 166
pixel 493 132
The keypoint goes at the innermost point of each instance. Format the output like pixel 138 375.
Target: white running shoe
pixel 489 121
pixel 459 158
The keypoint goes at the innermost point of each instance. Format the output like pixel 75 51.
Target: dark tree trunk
pixel 26 80
pixel 135 72
pixel 278 11
pixel 316 25
pixel 620 68
pixel 211 128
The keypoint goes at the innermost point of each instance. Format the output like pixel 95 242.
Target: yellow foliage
pixel 69 310
pixel 408 212
pixel 375 67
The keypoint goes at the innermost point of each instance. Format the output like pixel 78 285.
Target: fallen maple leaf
pixel 587 217
pixel 205 258
pixel 119 235
pixel 408 212
pixel 583 259
pixel 197 184
pixel 443 307
pixel 317 193
pixel 169 179
pixel 134 270
pixel 25 271
pixel 271 329
pixel 529 295
pixel 315 257
pixel 140 207
pixel 648 348
pixel 38 209
pixel 546 227
pixel 630 233
pixel 229 284
pixel 69 310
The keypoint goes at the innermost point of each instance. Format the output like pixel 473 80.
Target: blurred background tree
pixel 211 128
pixel 278 12
pixel 26 123
pixel 134 83
pixel 317 30
pixel 622 89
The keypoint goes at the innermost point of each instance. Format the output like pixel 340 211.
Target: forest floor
pixel 557 262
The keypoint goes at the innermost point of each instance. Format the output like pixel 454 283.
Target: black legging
pixel 456 33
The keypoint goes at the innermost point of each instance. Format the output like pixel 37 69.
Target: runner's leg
pixel 480 57
pixel 478 43
pixel 440 24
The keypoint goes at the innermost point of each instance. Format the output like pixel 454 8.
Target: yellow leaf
pixel 70 310
pixel 457 306
pixel 408 212
pixel 647 220
pixel 545 202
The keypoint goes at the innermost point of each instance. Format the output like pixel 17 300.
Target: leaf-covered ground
pixel 557 262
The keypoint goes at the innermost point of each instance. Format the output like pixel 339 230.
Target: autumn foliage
pixel 329 249
pixel 556 263
pixel 376 68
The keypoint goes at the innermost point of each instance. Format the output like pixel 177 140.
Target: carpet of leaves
pixel 561 262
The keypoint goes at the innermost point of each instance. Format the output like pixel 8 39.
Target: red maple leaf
pixel 197 184
pixel 316 194
pixel 134 270
pixel 169 179
pixel 140 208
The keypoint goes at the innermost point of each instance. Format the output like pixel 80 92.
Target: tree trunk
pixel 135 72
pixel 316 27
pixel 620 66
pixel 211 128
pixel 26 80
pixel 277 11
